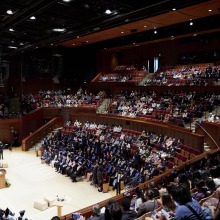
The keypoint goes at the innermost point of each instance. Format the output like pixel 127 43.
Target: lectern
pixel 2 179
pixel 59 206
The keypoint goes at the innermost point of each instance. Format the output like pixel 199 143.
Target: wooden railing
pixel 211 132
pixel 40 133
pixel 87 212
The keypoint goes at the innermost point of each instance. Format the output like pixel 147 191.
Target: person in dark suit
pixel 100 178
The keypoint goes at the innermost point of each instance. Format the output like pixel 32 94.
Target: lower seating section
pixel 166 185
pixel 112 150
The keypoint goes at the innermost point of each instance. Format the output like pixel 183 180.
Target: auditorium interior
pixel 103 99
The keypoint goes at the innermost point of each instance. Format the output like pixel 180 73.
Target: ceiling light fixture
pixel 155 32
pixel 210 10
pixel 32 17
pixel 11 29
pixel 174 9
pixel 194 35
pixel 108 12
pixel 12 47
pixel 122 32
pixel 9 12
pixel 145 26
pixel 59 29
pixel 66 0
pixel 191 23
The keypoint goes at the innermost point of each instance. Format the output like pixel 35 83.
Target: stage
pixel 30 181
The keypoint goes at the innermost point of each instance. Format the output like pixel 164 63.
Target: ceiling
pixel 83 22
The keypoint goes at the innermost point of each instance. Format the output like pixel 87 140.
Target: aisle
pixel 30 180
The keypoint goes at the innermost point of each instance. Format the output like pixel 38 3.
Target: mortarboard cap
pixel 22 212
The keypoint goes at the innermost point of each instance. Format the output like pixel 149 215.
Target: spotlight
pixel 9 12
pixel 59 29
pixel 108 12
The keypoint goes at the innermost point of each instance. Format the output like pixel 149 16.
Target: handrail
pixel 207 134
pixel 40 133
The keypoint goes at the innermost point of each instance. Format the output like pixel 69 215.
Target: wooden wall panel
pixel 32 122
pixel 6 127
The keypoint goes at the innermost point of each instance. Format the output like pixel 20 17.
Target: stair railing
pixel 198 124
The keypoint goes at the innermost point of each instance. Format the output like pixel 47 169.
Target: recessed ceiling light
pixel 73 44
pixel 194 35
pixel 11 29
pixel 108 12
pixel 87 41
pixel 21 44
pixel 59 29
pixel 9 12
pixel 210 10
pixel 174 9
pixel 105 48
pixel 155 32
pixel 12 47
pixel 66 0
pixel 191 23
pixel 77 37
pixel 32 17
pixel 122 32
pixel 172 36
pixel 145 26
pixel 133 43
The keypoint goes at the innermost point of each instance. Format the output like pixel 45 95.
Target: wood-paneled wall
pixel 6 129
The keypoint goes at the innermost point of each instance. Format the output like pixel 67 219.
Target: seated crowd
pixel 60 99
pixel 174 107
pixel 135 76
pixel 196 186
pixel 191 193
pixel 192 76
pixel 104 153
